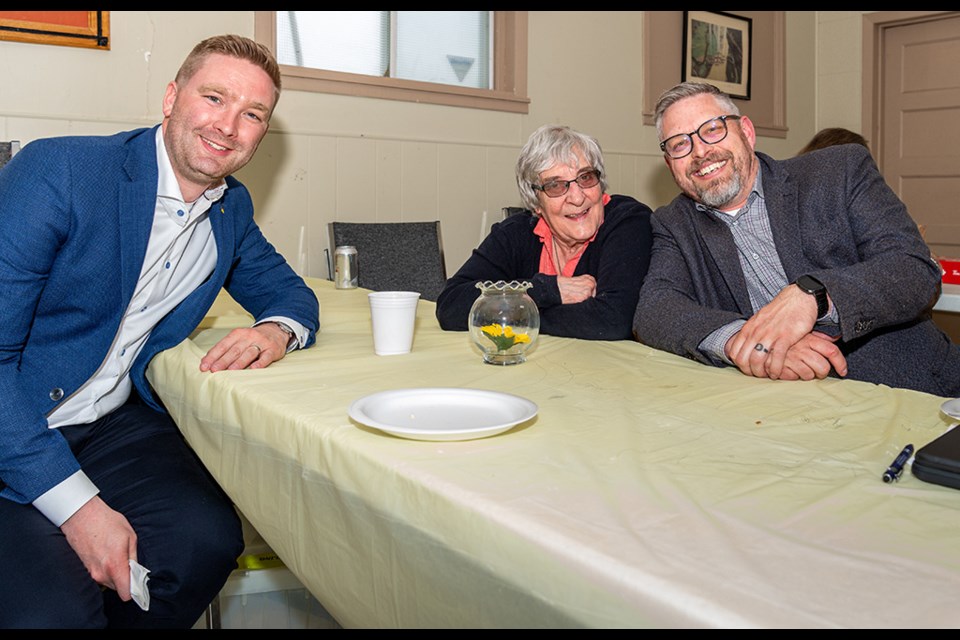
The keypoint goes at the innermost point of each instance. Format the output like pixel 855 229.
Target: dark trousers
pixel 188 533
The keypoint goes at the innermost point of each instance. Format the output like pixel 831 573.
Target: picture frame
pixel 717 49
pixel 88 29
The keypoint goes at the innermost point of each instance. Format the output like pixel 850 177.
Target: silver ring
pixel 257 347
pixel 760 347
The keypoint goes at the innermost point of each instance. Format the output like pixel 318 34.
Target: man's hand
pixel 576 288
pixel 105 543
pixel 760 347
pixel 253 348
pixel 812 357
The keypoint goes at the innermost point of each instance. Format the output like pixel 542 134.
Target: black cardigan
pixel 618 258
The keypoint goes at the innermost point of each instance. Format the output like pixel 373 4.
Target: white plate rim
pixel 951 408
pixel 358 413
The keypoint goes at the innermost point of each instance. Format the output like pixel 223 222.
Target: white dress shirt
pixel 181 254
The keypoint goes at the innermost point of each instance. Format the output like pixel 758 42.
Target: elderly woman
pixel 585 252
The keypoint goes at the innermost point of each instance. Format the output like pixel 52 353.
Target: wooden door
pixel 920 131
pixel 921 126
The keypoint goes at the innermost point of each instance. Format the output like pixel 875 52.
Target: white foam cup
pixel 393 315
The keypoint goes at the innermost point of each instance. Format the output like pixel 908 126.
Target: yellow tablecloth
pixel 649 491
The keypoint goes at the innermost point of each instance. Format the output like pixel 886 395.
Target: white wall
pixel 337 157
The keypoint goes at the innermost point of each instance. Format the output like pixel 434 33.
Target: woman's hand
pixel 577 288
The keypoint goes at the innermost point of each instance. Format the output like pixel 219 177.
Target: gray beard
pixel 718 196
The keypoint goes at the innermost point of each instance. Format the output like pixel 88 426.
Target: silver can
pixel 345 267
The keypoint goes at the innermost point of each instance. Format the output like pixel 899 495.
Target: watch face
pixel 810 284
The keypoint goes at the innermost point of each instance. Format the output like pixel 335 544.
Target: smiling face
pixel 215 120
pixel 575 216
pixel 718 175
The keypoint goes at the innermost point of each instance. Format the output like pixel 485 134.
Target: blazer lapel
pixel 780 194
pixel 138 201
pixel 224 234
pixel 719 248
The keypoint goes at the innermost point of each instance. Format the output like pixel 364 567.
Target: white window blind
pixel 444 47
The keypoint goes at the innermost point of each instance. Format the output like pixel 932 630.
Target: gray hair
pixel 551 145
pixel 687 90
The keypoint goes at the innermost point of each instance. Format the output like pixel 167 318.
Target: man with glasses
pixel 794 269
pixel 584 251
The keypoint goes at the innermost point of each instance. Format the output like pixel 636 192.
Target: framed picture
pixel 90 29
pixel 717 50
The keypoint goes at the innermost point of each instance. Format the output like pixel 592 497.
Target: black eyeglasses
pixel 711 132
pixel 556 188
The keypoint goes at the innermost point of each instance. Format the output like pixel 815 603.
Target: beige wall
pixel 336 157
pixel 839 64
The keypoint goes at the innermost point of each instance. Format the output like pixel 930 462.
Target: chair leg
pixel 213 614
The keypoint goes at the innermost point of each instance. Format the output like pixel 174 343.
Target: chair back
pixel 8 149
pixel 395 256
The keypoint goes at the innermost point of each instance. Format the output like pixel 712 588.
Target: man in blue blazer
pixel 113 249
pixel 794 269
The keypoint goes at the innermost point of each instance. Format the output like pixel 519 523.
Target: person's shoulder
pixel 680 206
pixel 834 156
pixel 625 206
pixel 523 220
pixel 71 146
pixel 111 140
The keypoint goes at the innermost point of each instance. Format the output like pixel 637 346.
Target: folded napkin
pixel 138 585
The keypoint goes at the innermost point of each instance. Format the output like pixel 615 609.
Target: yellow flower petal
pixel 492 329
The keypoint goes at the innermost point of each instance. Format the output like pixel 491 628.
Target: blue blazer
pixel 834 217
pixel 75 218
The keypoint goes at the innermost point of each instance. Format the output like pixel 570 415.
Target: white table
pixel 649 491
pixel 949 299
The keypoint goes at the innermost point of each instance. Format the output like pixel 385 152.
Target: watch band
pixel 291 334
pixel 809 284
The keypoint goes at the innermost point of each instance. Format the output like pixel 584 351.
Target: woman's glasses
pixel 556 188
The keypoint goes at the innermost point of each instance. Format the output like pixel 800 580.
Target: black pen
pixel 896 467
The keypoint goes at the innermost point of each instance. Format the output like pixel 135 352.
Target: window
pixel 460 58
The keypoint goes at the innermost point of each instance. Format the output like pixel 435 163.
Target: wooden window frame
pixel 509 59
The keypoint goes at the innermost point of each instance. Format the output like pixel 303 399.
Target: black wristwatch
pixel 809 284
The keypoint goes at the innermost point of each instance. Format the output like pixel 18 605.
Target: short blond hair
pixel 236 47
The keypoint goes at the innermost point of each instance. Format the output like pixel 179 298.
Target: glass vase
pixel 504 321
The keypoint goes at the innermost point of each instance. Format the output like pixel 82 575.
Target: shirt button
pixel 181 213
pixel 167 265
pixel 56 394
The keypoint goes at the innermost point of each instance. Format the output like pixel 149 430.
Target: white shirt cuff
pixel 713 345
pixel 65 499
pixel 300 332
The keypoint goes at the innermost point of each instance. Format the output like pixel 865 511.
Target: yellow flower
pixel 493 330
pixel 504 336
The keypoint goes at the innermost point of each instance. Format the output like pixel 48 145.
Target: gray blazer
pixel 834 217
